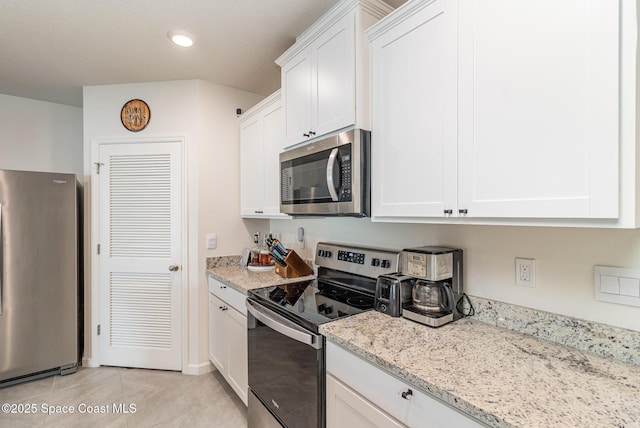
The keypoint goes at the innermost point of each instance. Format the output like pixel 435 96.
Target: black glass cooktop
pixel 313 302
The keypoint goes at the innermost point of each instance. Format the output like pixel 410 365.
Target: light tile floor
pixel 153 398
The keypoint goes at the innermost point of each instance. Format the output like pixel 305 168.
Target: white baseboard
pixel 199 369
pixel 89 362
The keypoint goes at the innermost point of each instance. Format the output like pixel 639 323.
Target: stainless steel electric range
pixel 286 352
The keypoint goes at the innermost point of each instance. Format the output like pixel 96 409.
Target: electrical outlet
pixel 526 272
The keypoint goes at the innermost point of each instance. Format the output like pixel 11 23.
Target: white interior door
pixel 140 193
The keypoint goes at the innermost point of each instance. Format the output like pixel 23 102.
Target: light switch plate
pixel 212 241
pixel 617 285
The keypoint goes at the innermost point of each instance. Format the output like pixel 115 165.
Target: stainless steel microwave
pixel 328 177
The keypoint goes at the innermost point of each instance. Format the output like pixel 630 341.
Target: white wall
pixel 219 186
pixel 204 115
pixel 40 136
pixel 564 259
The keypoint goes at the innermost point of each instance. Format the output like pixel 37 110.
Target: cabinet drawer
pixel 385 391
pixel 227 294
pixel 346 407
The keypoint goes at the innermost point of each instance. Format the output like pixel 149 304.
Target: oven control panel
pixel 351 257
pixel 370 262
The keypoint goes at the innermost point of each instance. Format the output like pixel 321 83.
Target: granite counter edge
pixel 424 386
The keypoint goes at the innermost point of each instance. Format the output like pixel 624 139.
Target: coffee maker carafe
pixel 438 286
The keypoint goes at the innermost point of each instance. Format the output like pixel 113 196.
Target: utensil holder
pixel 295 266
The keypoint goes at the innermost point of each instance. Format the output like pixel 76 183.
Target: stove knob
pixel 320 253
pixel 328 310
pixel 327 253
pixel 375 262
pixel 322 307
pixel 386 264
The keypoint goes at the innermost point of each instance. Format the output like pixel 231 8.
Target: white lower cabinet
pixel 228 335
pixel 346 408
pixel 367 396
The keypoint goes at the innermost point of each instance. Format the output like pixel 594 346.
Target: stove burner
pixel 288 293
pixel 334 292
pixel 360 301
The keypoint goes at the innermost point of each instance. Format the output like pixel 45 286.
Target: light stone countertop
pixel 242 279
pixel 501 377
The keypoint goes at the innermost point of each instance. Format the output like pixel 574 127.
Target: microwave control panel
pixel 345 173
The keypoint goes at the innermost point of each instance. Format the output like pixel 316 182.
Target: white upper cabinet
pixel 502 111
pixel 414 154
pixel 539 97
pixel 261 141
pixel 325 81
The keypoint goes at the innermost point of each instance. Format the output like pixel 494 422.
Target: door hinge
pixel 98 248
pixel 98 329
pixel 98 164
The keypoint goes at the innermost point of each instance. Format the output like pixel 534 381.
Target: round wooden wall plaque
pixel 135 115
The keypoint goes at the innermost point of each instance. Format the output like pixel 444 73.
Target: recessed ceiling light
pixel 181 38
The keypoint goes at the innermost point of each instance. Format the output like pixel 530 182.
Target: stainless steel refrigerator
pixel 38 275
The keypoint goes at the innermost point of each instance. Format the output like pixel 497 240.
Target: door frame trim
pixel 94 238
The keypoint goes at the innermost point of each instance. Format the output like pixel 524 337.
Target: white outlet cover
pixel 529 264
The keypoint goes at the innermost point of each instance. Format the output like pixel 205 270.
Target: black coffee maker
pixel 438 286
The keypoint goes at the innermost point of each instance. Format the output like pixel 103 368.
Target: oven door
pixel 286 371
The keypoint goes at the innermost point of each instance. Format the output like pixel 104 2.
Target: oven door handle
pixel 331 163
pixel 276 322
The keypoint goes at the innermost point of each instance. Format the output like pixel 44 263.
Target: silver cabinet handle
pixel 330 184
pixel 174 268
pixel 277 323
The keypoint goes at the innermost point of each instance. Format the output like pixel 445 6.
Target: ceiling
pixel 50 49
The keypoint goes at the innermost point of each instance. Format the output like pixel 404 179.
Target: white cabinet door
pixel 319 84
pixel 333 77
pixel 346 408
pixel 217 339
pixel 273 142
pixel 228 340
pixel 297 89
pixel 325 74
pixel 251 167
pixel 261 141
pixel 539 94
pixel 414 135
pixel 237 366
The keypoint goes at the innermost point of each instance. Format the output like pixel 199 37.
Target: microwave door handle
pixel 330 184
pixel 270 321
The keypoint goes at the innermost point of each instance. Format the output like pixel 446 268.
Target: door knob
pixel 174 268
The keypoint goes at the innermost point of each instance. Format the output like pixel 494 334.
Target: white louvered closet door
pixel 140 255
